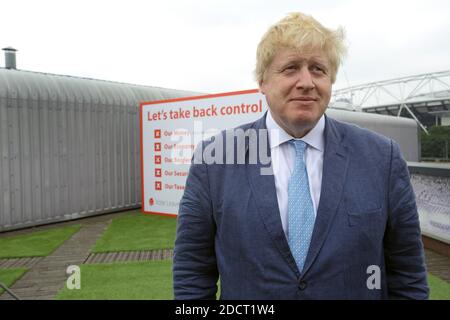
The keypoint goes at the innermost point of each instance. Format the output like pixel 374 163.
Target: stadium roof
pixel 421 97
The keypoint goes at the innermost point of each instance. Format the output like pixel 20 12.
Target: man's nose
pixel 305 79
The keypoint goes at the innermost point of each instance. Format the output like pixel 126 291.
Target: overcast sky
pixel 209 46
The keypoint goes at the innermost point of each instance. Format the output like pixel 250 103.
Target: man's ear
pixel 261 87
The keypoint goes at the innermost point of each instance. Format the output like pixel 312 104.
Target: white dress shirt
pixel 283 157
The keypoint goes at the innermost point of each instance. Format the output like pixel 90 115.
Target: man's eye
pixel 290 68
pixel 317 68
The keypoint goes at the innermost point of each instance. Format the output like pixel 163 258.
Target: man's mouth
pixel 303 99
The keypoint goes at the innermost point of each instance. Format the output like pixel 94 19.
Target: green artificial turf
pixel 127 281
pixel 35 244
pixel 153 280
pixel 137 231
pixel 9 276
pixel 439 289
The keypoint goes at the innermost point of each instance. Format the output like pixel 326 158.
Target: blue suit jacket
pixel 229 225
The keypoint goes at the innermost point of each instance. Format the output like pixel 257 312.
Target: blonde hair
pixel 304 33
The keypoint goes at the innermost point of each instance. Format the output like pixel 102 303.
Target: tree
pixel 436 144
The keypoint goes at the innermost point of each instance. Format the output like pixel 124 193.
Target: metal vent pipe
pixel 10 58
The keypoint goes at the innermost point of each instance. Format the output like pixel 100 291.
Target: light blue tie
pixel 300 207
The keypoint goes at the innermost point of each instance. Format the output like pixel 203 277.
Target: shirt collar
pixel 277 135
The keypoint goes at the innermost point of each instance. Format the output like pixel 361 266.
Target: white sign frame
pixel 182 120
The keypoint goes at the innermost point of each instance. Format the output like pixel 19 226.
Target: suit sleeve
pixel 195 272
pixel 404 254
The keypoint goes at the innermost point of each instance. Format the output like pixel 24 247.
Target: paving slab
pixel 48 275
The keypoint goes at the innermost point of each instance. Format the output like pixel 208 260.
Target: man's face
pixel 298 89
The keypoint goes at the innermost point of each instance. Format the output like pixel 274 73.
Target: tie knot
pixel 299 146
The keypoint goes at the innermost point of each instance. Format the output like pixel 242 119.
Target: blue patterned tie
pixel 300 207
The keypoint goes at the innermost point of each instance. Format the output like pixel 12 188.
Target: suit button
pixel 302 285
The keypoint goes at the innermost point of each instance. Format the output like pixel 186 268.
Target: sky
pixel 209 46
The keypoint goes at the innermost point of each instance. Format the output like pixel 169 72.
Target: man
pixel 337 219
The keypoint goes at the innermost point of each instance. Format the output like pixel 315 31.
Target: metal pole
pixel 415 118
pixel 9 291
pixel 446 150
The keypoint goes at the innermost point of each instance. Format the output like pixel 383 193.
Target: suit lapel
pixel 265 197
pixel 335 164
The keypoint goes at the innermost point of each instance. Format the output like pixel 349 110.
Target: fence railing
pixel 431 183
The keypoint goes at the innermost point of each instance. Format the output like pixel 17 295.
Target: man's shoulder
pixel 237 131
pixel 234 141
pixel 356 134
pixel 254 125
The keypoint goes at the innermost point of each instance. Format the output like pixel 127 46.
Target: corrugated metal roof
pixel 69 146
pixel 45 86
pixel 369 120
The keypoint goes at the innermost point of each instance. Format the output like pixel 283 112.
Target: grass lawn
pixel 35 244
pixel 128 281
pixel 439 289
pixel 137 231
pixel 9 276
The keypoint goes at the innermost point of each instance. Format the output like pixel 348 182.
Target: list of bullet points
pixel 157 148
